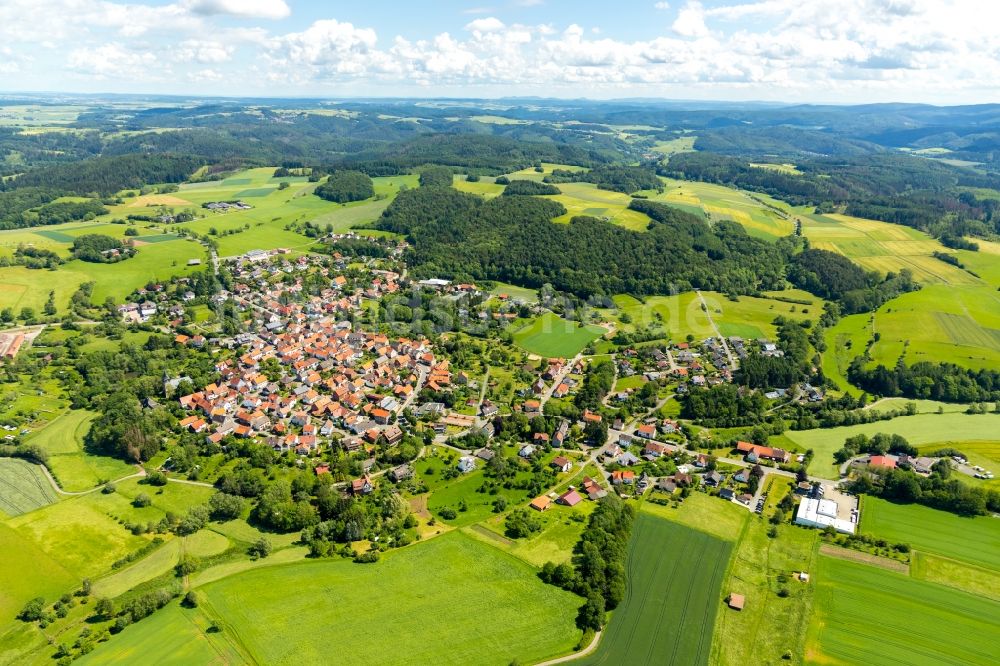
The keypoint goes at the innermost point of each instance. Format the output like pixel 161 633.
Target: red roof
pixel 882 461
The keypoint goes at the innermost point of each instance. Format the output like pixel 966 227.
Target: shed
pixel 736 601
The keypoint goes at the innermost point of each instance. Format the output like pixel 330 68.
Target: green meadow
pixel 675 578
pixel 175 635
pixel 919 429
pixel 973 540
pixel 74 468
pixel 553 337
pixel 681 315
pixel 867 615
pixel 718 202
pixel 418 597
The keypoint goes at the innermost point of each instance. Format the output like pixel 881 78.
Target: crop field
pixel 674 589
pixel 918 430
pixel 74 468
pixel 718 202
pixel 974 540
pixel 952 573
pixel 419 599
pixel 175 635
pixel 587 199
pixel 23 487
pixel 883 247
pixel 551 336
pixel 867 615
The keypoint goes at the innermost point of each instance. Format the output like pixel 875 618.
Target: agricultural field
pixel 758 214
pixel 176 635
pixel 675 587
pixel 73 467
pixel 972 540
pixel 27 572
pixel 551 336
pixel 682 144
pixel 23 487
pixel 866 615
pixel 587 199
pixel 952 573
pixel 882 247
pixel 762 567
pixel 723 520
pixel 918 430
pixel 419 597
pixel 682 315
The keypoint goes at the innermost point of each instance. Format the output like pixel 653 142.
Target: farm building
pixel 822 513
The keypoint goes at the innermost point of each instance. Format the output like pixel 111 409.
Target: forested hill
pixel 460 236
pixel 107 175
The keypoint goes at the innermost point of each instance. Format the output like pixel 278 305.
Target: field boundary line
pixel 864 558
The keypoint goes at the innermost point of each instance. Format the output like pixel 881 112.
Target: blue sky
pixel 833 51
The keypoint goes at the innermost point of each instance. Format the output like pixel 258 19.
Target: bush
pixel 370 557
pixel 156 478
pixel 448 513
pixel 260 548
pixel 141 500
pixel 190 599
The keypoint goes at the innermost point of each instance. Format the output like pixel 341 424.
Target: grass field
pixel 985 453
pixel 953 573
pixel 718 202
pixel 867 615
pixel 720 519
pixel 82 533
pixel 23 487
pixel 748 636
pixel 681 315
pixel 883 247
pixel 674 589
pixel 553 337
pixel 175 635
pixel 74 468
pixel 951 324
pixel 587 199
pixel 419 598
pixel 973 540
pixel 200 544
pixel 918 430
pixel 28 572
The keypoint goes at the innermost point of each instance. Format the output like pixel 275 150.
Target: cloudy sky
pixel 841 51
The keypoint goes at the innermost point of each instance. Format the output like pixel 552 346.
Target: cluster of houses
pixel 335 381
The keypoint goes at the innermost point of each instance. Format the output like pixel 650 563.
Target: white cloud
pixel 491 24
pixel 662 6
pixel 834 49
pixel 204 52
pixel 112 60
pixel 690 21
pixel 264 9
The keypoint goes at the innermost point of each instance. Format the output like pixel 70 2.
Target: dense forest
pixel 934 381
pixel 624 179
pixel 346 186
pixel 835 277
pixel 528 188
pixel 458 235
